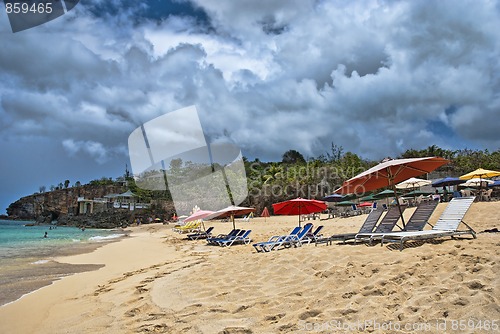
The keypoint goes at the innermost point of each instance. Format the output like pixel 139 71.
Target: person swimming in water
pixel 45 236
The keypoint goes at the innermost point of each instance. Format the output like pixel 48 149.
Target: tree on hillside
pixel 66 184
pixel 293 157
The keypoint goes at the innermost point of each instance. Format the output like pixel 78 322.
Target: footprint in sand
pixel 150 328
pixel 309 314
pixel 236 330
pixel 475 285
pixel 460 302
pixel 274 318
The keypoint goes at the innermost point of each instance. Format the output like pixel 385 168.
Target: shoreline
pixel 28 273
pixel 155 281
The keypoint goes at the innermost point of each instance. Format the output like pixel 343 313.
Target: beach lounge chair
pixel 181 228
pixel 367 227
pixel 201 235
pixel 386 225
pixel 260 246
pixel 238 239
pixel 189 227
pixel 312 237
pixel 220 237
pixel 417 222
pixel 447 224
pixel 295 240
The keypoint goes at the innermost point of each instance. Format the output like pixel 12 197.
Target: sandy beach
pixel 155 281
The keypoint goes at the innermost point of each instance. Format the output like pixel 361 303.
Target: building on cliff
pixel 126 200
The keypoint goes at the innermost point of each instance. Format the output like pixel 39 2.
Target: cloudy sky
pixel 375 77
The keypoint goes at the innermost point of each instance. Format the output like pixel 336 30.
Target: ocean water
pixel 26 256
pixel 17 239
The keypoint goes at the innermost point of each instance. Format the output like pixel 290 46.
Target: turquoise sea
pixel 26 256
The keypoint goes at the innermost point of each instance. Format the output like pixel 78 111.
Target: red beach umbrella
pixel 388 174
pixel 299 206
pixel 265 213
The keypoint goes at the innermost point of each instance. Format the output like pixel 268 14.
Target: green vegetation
pixel 293 176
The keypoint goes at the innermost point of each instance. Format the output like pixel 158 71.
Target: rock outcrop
pixel 49 206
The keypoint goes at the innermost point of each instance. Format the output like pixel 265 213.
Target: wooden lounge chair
pixel 367 227
pixel 447 224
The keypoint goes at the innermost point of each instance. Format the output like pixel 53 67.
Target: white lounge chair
pixel 447 224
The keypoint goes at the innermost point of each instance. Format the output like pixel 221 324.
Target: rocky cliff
pixel 48 206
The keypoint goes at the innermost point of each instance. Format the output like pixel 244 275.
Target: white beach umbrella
pixel 477 182
pixel 413 183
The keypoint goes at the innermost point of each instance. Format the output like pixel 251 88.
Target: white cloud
pixel 95 150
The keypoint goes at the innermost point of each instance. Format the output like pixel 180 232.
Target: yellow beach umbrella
pixel 480 173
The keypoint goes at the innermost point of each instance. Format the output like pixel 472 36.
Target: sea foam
pixel 104 238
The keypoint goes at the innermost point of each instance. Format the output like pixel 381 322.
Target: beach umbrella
pixel 230 211
pixel 199 215
pixel 480 173
pixel 333 198
pixel 495 184
pixel 477 182
pixel 345 203
pixel 265 213
pixel 368 198
pixel 350 197
pixel 299 206
pixel 419 192
pixel 447 181
pixel 384 194
pixel 389 173
pixel 412 183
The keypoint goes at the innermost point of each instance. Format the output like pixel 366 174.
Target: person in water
pixel 45 236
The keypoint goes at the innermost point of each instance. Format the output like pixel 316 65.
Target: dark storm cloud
pixel 376 77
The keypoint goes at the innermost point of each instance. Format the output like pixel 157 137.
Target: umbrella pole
pixel 234 226
pixel 299 215
pixel 397 202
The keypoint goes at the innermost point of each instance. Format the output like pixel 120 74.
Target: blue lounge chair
pixel 263 246
pixel 239 239
pixel 312 237
pixel 215 240
pixel 297 240
pixel 201 235
pixel 259 247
